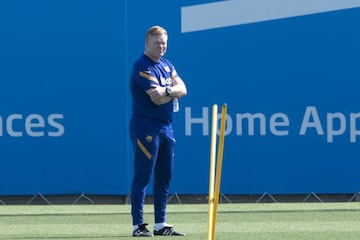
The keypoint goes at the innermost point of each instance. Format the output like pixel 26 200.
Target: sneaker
pixel 142 231
pixel 168 231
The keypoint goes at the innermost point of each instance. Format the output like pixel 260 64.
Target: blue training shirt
pixel 145 74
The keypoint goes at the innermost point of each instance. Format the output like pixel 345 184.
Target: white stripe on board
pixel 237 12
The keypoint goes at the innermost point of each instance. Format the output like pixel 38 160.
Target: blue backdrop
pixel 289 77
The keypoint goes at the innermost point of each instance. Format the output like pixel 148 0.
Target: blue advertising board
pixel 62 102
pixel 288 71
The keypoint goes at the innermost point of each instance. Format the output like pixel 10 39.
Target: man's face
pixel 156 46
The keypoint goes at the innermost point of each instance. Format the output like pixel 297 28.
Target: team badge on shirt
pixel 167 69
pixel 149 138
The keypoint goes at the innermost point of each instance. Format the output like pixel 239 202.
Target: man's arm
pixel 178 88
pixel 158 95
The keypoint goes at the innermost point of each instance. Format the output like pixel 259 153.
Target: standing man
pixel 155 86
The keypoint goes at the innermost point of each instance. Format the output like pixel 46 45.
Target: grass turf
pixel 295 221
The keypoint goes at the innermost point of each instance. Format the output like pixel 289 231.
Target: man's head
pixel 156 42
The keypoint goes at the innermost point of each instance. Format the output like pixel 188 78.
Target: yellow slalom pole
pixel 212 170
pixel 219 166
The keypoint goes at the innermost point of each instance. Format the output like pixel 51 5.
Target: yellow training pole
pixel 212 170
pixel 219 166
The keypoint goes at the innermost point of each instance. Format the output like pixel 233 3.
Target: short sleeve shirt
pixel 145 75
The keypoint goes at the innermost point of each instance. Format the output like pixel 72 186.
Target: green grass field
pixel 288 221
